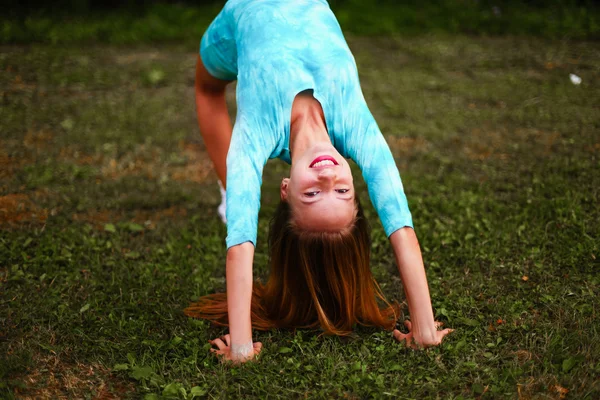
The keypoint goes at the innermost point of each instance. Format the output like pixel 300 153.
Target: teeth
pixel 323 163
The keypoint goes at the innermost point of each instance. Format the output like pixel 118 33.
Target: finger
pixel 219 343
pixel 399 336
pixel 227 339
pixel 408 338
pixel 408 325
pixel 445 332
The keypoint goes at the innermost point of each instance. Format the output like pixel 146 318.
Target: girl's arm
pixel 422 326
pixel 237 346
pixel 215 127
pixel 239 298
pixel 369 150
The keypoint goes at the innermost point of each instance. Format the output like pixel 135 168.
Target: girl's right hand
pixel 223 350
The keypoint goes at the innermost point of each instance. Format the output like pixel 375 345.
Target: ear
pixel 283 190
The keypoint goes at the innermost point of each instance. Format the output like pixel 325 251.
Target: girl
pixel 299 99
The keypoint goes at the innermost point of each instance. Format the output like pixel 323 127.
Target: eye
pixel 342 190
pixel 311 194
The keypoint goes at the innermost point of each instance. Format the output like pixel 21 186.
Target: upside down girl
pixel 299 99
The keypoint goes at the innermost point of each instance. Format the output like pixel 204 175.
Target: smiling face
pixel 320 190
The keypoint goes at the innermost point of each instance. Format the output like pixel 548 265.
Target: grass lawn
pixel 108 226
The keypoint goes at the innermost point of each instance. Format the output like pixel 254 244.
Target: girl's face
pixel 320 190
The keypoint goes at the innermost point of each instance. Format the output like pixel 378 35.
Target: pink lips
pixel 323 158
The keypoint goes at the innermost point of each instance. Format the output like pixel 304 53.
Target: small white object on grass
pixel 222 207
pixel 575 80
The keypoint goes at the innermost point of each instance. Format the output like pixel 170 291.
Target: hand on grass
pixel 421 340
pixel 223 350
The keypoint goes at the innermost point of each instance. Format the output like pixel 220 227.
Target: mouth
pixel 323 161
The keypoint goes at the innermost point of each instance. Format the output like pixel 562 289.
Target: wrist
pixel 242 351
pixel 423 326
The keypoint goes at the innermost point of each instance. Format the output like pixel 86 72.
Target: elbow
pixel 239 251
pixel 403 234
pixel 208 92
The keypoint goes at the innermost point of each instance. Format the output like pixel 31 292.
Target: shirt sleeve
pixel 245 163
pixel 218 47
pixel 368 148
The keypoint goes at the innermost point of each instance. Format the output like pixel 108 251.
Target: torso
pixel 284 49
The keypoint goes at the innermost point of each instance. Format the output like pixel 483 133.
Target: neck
pixel 307 126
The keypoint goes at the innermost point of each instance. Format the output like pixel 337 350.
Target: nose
pixel 328 175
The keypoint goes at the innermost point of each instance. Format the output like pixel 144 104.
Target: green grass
pixel 186 23
pixel 109 227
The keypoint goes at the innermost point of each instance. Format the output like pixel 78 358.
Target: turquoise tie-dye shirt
pixel 277 49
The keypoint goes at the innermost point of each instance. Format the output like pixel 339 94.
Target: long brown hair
pixel 317 279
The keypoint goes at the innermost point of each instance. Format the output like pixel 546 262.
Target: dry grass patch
pixel 405 145
pixel 148 218
pixel 54 379
pixel 9 162
pixel 544 388
pixel 198 166
pixel 38 140
pixel 18 208
pixel 74 154
pixel 191 164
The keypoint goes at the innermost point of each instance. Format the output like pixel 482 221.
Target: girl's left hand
pixel 419 341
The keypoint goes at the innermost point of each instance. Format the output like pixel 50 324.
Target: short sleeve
pixel 368 148
pixel 218 47
pixel 245 163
